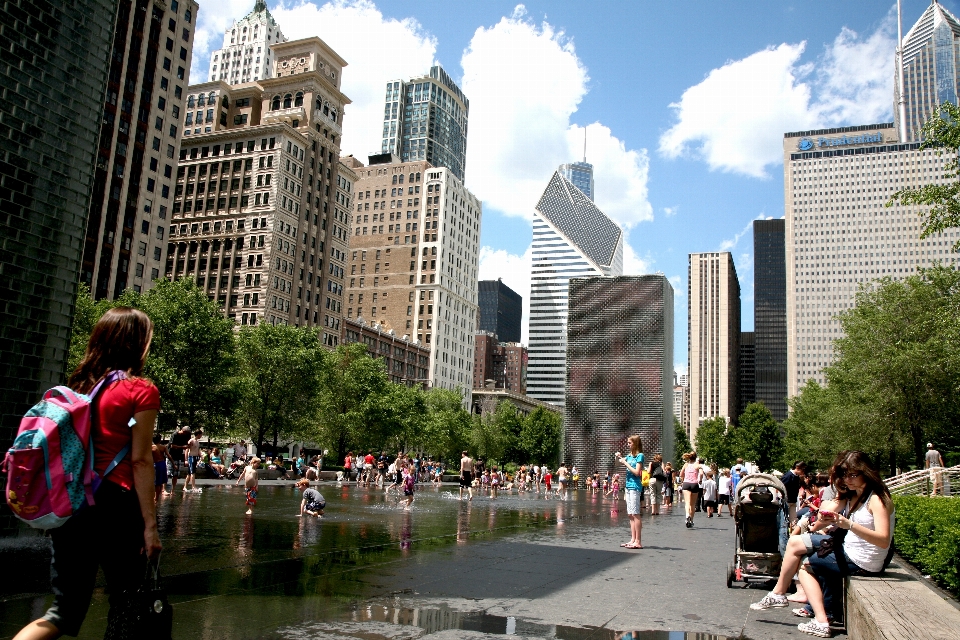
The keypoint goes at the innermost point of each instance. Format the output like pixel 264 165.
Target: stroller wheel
pixel 731 574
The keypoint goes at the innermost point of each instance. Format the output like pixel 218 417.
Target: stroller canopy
pixel 755 481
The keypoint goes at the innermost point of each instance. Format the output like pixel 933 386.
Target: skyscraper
pixel 581 175
pixel 414 255
pixel 139 140
pixel 620 368
pixel 747 386
pixel 572 238
pixel 425 118
pixel 505 363
pixel 261 217
pixel 246 55
pixel 770 315
pixel 501 310
pixel 54 70
pixel 931 71
pixel 841 236
pixel 713 311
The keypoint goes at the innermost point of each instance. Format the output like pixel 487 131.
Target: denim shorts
pixel 192 464
pixel 827 564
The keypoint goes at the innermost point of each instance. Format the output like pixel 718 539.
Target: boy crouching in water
pixel 313 503
pixel 251 481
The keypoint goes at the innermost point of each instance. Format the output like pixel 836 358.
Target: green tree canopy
pixel 712 443
pixel 681 442
pixel 756 438
pixel 541 437
pixel 446 428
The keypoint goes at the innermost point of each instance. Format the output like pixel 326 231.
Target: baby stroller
pixel 761 515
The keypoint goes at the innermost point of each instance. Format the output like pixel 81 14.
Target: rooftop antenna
pixel 901 101
pixel 584 144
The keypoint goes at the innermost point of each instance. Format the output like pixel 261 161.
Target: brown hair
pixel 303 482
pixel 119 341
pixel 635 445
pixel 687 457
pixel 658 458
pixel 858 462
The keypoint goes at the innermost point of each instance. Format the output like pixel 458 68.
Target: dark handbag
pixel 144 614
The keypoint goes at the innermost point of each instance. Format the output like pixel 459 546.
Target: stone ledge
pixel 899 606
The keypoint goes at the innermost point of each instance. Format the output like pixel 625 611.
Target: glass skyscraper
pixel 425 118
pixel 931 58
pixel 572 238
pixel 770 315
pixel 581 175
pixel 501 310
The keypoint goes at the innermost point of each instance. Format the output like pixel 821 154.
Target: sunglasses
pixel 851 476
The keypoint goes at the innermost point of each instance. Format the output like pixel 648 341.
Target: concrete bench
pixel 899 606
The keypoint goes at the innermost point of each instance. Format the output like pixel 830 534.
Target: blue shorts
pixel 192 464
pixel 160 473
pixel 315 506
pixel 828 565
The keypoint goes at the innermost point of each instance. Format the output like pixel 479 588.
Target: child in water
pixel 251 482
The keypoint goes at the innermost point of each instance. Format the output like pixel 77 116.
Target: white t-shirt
pixel 724 485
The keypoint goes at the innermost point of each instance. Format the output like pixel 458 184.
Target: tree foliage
pixel 541 437
pixel 681 442
pixel 712 442
pixel 941 133
pixel 756 438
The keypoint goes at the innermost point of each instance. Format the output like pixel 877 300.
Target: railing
pixel 925 481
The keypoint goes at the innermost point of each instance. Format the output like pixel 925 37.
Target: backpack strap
pixel 91 482
pixel 116 460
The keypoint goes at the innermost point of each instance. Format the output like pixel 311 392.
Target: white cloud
pixel 634 265
pixel 735 118
pixel 376 48
pixel 731 243
pixel 515 272
pixel 525 82
pixel 679 291
pixel 671 211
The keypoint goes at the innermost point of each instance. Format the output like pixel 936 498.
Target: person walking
pixel 933 461
pixel 793 480
pixel 118 532
pixel 251 483
pixel 466 475
pixel 655 484
pixel 178 450
pixel 723 491
pixel 634 474
pixel 709 494
pixel 193 459
pixel 692 475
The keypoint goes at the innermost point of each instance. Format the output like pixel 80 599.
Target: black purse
pixel 144 613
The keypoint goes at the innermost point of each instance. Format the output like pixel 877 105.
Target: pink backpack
pixel 49 467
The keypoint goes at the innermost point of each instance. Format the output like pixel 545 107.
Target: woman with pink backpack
pixel 119 531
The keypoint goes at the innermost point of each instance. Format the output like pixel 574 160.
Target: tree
pixel 281 368
pixel 86 314
pixel 712 443
pixel 446 429
pixel 541 436
pixel 510 422
pixel 350 384
pixel 756 437
pixel 942 133
pixel 489 437
pixel 681 442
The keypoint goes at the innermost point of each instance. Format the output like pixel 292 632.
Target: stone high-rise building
pixel 413 264
pixel 503 363
pixel 619 369
pixel 425 118
pixel 140 131
pixel 246 55
pixel 262 206
pixel 713 312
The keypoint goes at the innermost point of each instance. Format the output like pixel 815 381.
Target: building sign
pixel 807 144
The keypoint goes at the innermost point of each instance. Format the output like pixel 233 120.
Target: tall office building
pixel 770 315
pixel 425 119
pixel 139 141
pixel 746 363
pixel 572 238
pixel 261 217
pixel 581 175
pixel 713 312
pixel 246 55
pixel 678 393
pixel 840 234
pixel 54 70
pixel 414 257
pixel 501 310
pixel 931 69
pixel 620 368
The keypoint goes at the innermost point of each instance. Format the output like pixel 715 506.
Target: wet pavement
pixel 517 566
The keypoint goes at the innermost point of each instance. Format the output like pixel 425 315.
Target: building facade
pixel 501 310
pixel 746 362
pixel 840 235
pixel 246 54
pixel 770 315
pixel 425 119
pixel 499 365
pixel 262 207
pixel 414 259
pixel 572 238
pixel 713 312
pixel 678 393
pixel 931 62
pixel 140 130
pixel 580 174
pixel 406 361
pixel 619 369
pixel 54 73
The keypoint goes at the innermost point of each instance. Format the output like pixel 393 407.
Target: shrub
pixel 928 535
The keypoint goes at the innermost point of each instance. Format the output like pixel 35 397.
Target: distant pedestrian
pixel 723 491
pixel 193 459
pixel 466 475
pixel 178 453
pixel 934 461
pixel 668 484
pixel 793 480
pixel 709 494
pixel 159 452
pixel 691 474
pixel 655 483
pixel 633 463
pixel 251 483
pixel 736 472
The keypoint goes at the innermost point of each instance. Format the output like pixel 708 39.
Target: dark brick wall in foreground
pixel 53 68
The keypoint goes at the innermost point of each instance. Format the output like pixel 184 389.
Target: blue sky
pixel 685 105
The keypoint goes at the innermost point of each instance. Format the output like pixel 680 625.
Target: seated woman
pixel 864 518
pixel 216 463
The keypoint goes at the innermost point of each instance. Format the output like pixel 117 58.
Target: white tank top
pixel 864 554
